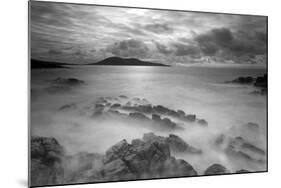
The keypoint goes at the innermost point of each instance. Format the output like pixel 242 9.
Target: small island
pixel 118 61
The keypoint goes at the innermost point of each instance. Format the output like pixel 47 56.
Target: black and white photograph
pixel 125 93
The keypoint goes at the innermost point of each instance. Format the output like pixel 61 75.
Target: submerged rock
pixel 243 80
pixel 202 122
pixel 216 169
pixel 68 81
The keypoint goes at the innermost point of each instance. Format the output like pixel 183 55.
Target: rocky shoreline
pixel 149 157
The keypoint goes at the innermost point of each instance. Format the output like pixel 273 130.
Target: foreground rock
pixel 216 169
pixel 46 161
pixel 140 159
pixel 175 143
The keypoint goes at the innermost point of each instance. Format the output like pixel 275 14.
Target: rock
pixel 261 81
pixel 173 113
pixel 147 109
pixel 241 171
pixel 143 159
pixel 181 113
pixel 176 144
pixel 138 116
pixel 179 145
pixel 160 109
pixel 262 92
pixel 190 118
pixel 156 117
pixel 168 123
pixel 68 81
pixel 243 80
pixel 216 169
pixel 116 105
pixel 202 122
pixel 252 126
pixel 46 161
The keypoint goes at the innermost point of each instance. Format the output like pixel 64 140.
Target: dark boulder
pixel 216 169
pixel 116 105
pixel 202 122
pixel 181 113
pixel 261 81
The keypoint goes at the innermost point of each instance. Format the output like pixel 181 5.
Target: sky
pixel 72 33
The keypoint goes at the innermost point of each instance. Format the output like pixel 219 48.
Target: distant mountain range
pixel 111 61
pixel 118 61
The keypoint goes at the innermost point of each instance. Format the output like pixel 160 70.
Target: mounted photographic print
pixel 123 93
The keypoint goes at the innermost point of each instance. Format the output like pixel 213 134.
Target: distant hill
pixel 38 64
pixel 118 61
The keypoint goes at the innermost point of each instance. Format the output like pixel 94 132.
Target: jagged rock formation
pixel 46 161
pixel 175 143
pixel 149 157
pixel 216 169
pixel 138 109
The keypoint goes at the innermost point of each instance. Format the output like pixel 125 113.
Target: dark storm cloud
pixel 76 33
pixel 230 44
pixel 129 48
